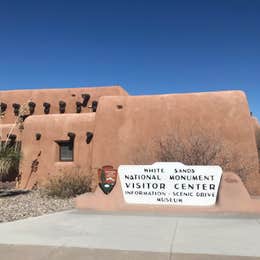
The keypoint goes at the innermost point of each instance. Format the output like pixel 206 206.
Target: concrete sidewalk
pixel 91 235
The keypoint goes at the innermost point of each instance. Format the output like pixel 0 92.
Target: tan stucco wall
pixel 54 128
pixel 120 132
pixel 123 124
pixel 53 96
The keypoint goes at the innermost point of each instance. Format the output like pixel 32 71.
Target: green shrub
pixel 9 162
pixel 67 185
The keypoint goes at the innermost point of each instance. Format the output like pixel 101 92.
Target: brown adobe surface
pixel 53 96
pixel 124 124
pixel 54 128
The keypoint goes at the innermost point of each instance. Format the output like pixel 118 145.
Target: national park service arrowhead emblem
pixel 107 176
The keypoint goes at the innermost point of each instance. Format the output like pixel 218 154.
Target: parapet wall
pixel 126 124
pixel 53 96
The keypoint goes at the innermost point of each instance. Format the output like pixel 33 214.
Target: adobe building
pixel 83 129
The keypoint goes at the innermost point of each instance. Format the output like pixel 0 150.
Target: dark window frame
pixel 62 144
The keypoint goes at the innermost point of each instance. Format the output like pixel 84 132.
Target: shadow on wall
pixel 34 169
pixel 257 135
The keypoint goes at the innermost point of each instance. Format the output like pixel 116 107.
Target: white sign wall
pixel 170 184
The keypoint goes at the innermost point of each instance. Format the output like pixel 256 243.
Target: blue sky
pixel 146 46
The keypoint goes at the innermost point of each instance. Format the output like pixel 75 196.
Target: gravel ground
pixel 31 204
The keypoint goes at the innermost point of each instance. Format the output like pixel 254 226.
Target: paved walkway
pixel 91 235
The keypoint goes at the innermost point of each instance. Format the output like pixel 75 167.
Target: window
pixel 66 151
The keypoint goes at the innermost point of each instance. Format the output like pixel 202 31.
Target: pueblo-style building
pixel 83 129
